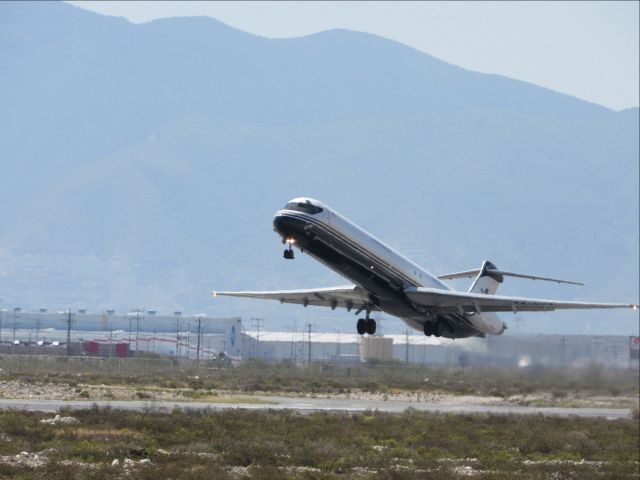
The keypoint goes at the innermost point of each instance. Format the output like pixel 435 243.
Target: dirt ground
pixel 18 389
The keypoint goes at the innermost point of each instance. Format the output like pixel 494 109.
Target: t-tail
pixel 488 278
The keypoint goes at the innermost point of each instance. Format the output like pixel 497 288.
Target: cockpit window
pixel 306 207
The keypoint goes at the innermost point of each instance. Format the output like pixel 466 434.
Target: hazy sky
pixel 586 49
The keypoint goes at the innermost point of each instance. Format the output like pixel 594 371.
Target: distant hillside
pixel 142 164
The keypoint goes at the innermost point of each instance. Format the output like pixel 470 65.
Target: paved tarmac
pixel 308 405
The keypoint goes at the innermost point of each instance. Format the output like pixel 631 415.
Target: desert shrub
pixel 142 394
pixel 271 443
pixel 380 377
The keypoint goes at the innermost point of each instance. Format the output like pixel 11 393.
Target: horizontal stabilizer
pixel 533 277
pixel 473 273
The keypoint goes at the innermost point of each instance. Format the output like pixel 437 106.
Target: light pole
pixel 338 345
pixel 16 310
pixel 138 331
pixel 257 323
pixel 406 346
pixel 293 339
pixel 129 317
pixel 42 311
pixel 69 314
pixel 152 313
pixel 110 312
pixel 199 316
pixel 295 343
pixel 135 314
pixel 2 310
pixel 309 352
pixel 188 340
pixel 178 314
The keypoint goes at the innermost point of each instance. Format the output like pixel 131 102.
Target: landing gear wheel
pixel 437 329
pixel 428 328
pixel 371 326
pixel 361 326
pixel 288 254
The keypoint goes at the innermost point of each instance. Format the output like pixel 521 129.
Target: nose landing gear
pixel 288 253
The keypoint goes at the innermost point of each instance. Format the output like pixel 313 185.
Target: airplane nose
pixel 279 223
pixel 286 225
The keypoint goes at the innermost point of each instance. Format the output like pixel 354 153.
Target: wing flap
pixel 458 302
pixel 348 296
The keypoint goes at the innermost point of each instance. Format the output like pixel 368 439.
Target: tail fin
pixel 488 279
pixel 487 282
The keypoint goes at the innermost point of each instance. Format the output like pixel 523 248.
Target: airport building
pixel 48 333
pixel 203 337
pixel 505 350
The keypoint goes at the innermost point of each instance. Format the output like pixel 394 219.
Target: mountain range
pixel 141 165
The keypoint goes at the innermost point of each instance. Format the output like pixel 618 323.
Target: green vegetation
pixel 238 444
pixel 283 444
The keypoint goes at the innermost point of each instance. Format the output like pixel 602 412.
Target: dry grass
pixel 99 433
pixel 192 380
pixel 282 444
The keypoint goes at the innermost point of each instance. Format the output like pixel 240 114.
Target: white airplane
pixel 385 280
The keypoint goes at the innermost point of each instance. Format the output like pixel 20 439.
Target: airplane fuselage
pixel 374 266
pixel 387 281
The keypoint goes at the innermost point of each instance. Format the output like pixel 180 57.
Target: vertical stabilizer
pixel 487 281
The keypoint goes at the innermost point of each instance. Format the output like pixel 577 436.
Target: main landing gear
pixel 366 325
pixel 433 328
pixel 288 253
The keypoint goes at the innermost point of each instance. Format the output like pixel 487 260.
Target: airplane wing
pixel 460 302
pixel 349 296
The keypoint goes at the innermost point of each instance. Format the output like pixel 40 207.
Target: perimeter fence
pixel 39 365
pixel 281 377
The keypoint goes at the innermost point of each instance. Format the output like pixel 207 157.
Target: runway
pixel 309 405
